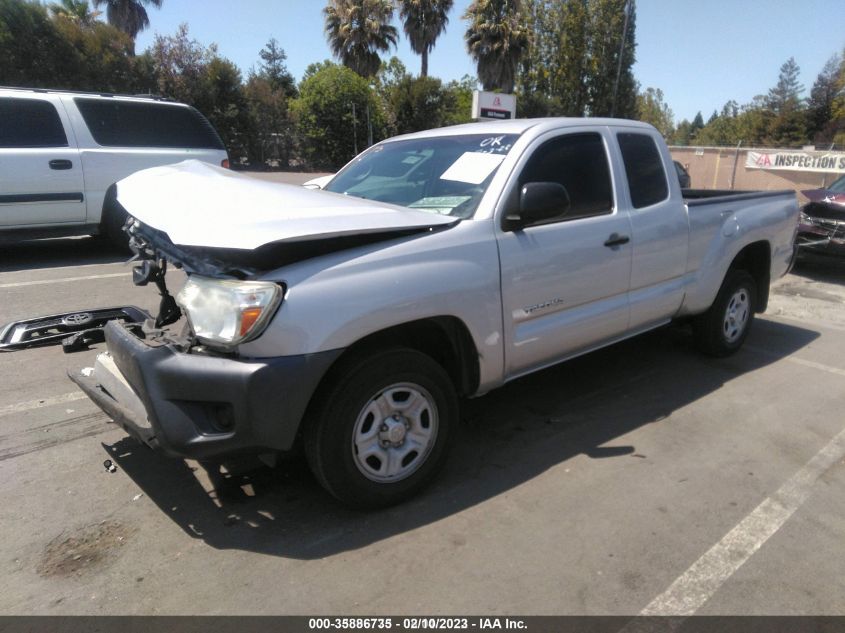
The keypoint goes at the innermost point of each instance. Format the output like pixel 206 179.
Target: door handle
pixel 61 163
pixel 616 240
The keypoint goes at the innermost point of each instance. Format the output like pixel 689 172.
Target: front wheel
pixel 724 327
pixel 380 429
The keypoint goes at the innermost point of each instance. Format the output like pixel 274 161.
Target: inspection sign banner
pixel 827 162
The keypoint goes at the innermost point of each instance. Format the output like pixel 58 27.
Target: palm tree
pixel 358 30
pixel 496 40
pixel 130 16
pixel 424 21
pixel 75 10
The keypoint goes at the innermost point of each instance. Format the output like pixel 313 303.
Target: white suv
pixel 61 153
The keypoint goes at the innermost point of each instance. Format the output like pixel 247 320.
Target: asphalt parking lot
pixel 643 478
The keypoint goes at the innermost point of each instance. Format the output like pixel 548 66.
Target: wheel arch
pixel 446 339
pixel 756 258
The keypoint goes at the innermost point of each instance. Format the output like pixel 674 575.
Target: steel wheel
pixel 395 432
pixel 723 328
pixel 736 315
pixel 380 426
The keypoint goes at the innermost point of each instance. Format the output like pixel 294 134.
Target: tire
pixel 380 429
pixel 722 330
pixel 114 217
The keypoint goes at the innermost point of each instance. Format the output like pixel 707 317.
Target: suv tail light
pixel 224 163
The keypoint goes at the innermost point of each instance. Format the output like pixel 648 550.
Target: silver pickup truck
pixel 434 266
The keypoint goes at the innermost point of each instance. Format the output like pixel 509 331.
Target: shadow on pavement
pixel 821 267
pixel 506 438
pixel 53 253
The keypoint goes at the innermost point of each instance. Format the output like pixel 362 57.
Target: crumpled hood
pixel 198 204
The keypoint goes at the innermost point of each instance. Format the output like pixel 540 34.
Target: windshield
pixel 446 174
pixel 838 185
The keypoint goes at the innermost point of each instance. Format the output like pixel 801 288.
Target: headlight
pixel 228 313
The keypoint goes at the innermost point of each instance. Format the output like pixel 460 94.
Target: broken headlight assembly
pixel 225 313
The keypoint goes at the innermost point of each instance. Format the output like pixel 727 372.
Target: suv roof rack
pixel 91 93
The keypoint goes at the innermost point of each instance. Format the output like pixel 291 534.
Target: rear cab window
pixel 121 123
pixel 30 123
pixel 647 181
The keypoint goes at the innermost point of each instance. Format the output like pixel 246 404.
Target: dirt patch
pixel 89 547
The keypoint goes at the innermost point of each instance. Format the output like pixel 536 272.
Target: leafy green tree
pixel 358 30
pixel 325 118
pixel 697 124
pixel 419 103
pixel 459 105
pixel 837 123
pixel 496 39
pixel 820 121
pixel 130 16
pixel 612 54
pixel 179 64
pixel 62 52
pixel 273 68
pixel 271 135
pixel 573 58
pixel 78 11
pixel 314 67
pixel 553 72
pixel 188 71
pixel 788 126
pixel 32 51
pixel 682 134
pixel 423 22
pixel 652 109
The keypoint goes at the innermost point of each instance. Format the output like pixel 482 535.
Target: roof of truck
pixel 519 126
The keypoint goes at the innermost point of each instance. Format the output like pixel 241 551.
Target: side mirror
pixel 539 201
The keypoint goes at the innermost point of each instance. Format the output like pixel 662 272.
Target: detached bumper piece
pixel 74 330
pixel 197 405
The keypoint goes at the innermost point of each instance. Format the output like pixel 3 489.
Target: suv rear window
pixel 30 123
pixel 646 177
pixel 115 123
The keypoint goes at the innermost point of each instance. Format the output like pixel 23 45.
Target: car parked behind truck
pixel 61 153
pixel 434 266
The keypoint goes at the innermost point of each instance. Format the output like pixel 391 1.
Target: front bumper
pixel 198 406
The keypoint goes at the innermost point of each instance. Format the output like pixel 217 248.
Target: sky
pixel 701 54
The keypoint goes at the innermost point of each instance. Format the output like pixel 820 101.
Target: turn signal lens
pixel 224 163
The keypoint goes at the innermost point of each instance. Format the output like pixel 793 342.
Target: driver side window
pixel 579 163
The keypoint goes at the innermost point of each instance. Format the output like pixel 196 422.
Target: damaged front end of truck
pixel 178 382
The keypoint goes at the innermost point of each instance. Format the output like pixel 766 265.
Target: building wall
pixel 713 168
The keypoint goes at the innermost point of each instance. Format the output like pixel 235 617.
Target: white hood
pixel 198 204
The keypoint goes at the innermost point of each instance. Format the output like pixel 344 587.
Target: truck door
pixel 40 173
pixel 564 280
pixel 659 229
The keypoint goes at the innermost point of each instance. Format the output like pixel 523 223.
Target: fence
pixel 724 168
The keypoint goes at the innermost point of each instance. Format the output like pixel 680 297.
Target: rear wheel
pixel 380 429
pixel 722 330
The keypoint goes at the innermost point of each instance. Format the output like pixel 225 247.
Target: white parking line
pixel 39 404
pixel 698 584
pixel 42 282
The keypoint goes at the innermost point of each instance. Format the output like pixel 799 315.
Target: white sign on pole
pixel 493 105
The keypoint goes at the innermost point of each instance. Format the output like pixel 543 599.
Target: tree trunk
pixel 424 72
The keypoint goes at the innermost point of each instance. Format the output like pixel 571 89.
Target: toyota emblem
pixel 77 320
